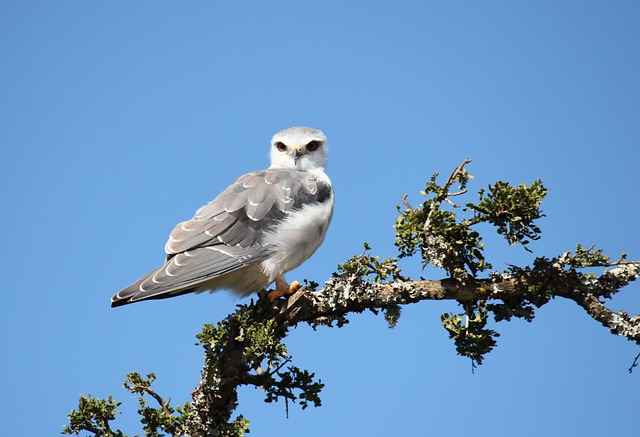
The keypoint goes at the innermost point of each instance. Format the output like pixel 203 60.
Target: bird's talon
pixel 274 295
pixel 283 289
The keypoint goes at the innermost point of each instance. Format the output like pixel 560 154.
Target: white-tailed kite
pixel 263 225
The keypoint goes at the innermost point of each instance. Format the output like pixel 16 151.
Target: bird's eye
pixel 312 146
pixel 282 147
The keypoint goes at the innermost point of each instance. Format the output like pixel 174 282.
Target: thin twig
pixel 445 192
pixel 158 398
pixel 406 203
pixel 635 363
pixel 455 205
pixel 458 193
pixel 452 178
pixel 288 360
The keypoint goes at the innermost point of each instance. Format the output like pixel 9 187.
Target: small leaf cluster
pixel 472 338
pixel 409 228
pixel 392 315
pixel 460 176
pixel 292 378
pixel 238 427
pixel 512 210
pixel 365 268
pixel 155 419
pixel 93 415
pixel 588 257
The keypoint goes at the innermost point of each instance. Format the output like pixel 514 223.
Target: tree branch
pixel 341 297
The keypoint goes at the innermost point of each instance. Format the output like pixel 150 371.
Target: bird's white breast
pixel 296 238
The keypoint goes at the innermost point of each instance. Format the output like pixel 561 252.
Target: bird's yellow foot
pixel 283 289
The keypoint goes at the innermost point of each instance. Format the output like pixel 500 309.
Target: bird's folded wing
pixel 186 270
pixel 240 215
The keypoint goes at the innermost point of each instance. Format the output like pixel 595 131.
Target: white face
pixel 299 148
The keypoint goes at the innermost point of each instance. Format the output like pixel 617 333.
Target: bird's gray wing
pixel 252 204
pixel 225 234
pixel 184 271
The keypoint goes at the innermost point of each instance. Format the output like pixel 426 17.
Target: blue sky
pixel 120 119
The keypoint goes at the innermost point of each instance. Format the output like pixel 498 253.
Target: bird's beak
pixel 297 153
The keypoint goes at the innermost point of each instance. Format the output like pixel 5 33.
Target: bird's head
pixel 299 148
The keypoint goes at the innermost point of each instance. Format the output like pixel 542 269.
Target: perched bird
pixel 263 225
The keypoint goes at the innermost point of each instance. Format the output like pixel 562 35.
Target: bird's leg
pixel 283 289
